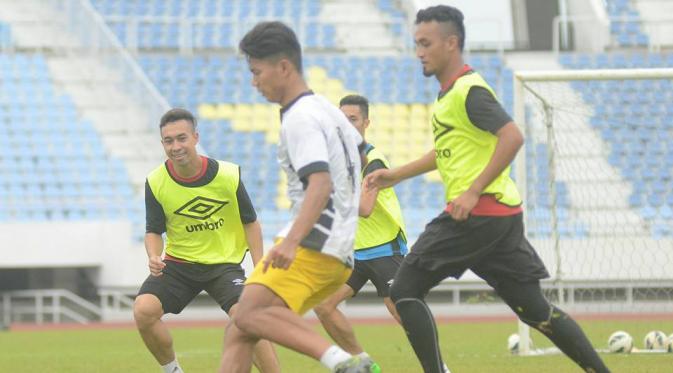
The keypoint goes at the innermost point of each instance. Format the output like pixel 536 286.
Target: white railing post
pixel 39 309
pixel 6 309
pixel 56 309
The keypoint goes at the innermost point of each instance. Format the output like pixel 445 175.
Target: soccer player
pixel 481 227
pixel 380 240
pixel 313 254
pixel 202 206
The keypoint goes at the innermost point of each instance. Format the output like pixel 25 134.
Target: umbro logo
pixel 439 128
pixel 200 208
pixel 390 282
pixel 238 281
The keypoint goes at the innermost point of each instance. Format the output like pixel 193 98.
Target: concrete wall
pixel 589 29
pixel 106 246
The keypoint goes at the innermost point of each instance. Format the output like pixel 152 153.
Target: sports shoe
pixel 354 365
pixel 374 368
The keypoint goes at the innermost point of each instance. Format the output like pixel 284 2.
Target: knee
pixel 399 291
pixel 146 310
pixel 244 322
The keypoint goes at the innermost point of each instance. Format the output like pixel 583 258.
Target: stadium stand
pixel 238 125
pixel 210 23
pixel 625 25
pixel 634 117
pixel 55 166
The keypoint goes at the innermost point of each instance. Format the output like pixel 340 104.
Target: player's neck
pixel 294 89
pixel 451 71
pixel 190 169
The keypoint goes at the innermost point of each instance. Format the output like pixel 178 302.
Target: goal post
pixel 597 184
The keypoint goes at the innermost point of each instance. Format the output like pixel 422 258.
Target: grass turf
pixel 466 347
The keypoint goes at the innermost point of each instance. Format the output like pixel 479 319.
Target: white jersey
pixel 316 136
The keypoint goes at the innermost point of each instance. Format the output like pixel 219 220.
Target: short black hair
pixel 269 40
pixel 358 100
pixel 444 14
pixel 175 115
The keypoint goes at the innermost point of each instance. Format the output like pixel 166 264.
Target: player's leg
pixel 264 356
pixel 168 293
pixel 242 350
pixel 334 321
pixel 445 248
pixel 528 302
pixel 225 285
pixel 382 273
pixel 272 302
pixel 514 269
pixel 147 313
pixel 408 292
pixel 391 308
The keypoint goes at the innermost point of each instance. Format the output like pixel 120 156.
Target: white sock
pixel 446 369
pixel 363 355
pixel 333 356
pixel 172 367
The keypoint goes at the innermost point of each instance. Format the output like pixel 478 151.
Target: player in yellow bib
pixel 380 240
pixel 481 227
pixel 210 223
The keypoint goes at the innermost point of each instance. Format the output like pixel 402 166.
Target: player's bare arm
pixel 510 141
pixel 154 245
pixel 253 234
pixel 385 178
pixel 367 201
pixel 315 199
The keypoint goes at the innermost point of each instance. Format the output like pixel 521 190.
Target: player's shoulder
pixel 158 171
pixel 310 110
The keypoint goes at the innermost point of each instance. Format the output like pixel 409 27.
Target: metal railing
pixel 54 305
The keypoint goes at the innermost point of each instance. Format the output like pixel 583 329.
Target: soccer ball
pixel 513 343
pixel 655 340
pixel 668 346
pixel 620 341
pixel 670 343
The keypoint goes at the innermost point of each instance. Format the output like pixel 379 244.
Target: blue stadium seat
pixel 52 143
pixel 154 33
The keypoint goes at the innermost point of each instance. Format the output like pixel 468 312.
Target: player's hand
pixel 280 256
pixel 463 205
pixel 381 178
pixel 156 265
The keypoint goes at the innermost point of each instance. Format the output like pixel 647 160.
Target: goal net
pixel 596 177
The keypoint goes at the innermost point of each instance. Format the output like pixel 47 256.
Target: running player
pixel 481 227
pixel 313 255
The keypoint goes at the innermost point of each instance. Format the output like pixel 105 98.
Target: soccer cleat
pixel 374 368
pixel 354 365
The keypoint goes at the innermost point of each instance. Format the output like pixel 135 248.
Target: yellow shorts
pixel 311 278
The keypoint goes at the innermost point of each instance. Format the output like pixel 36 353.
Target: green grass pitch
pixel 466 347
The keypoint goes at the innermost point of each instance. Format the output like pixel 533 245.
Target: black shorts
pixel 181 282
pixel 493 247
pixel 380 271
